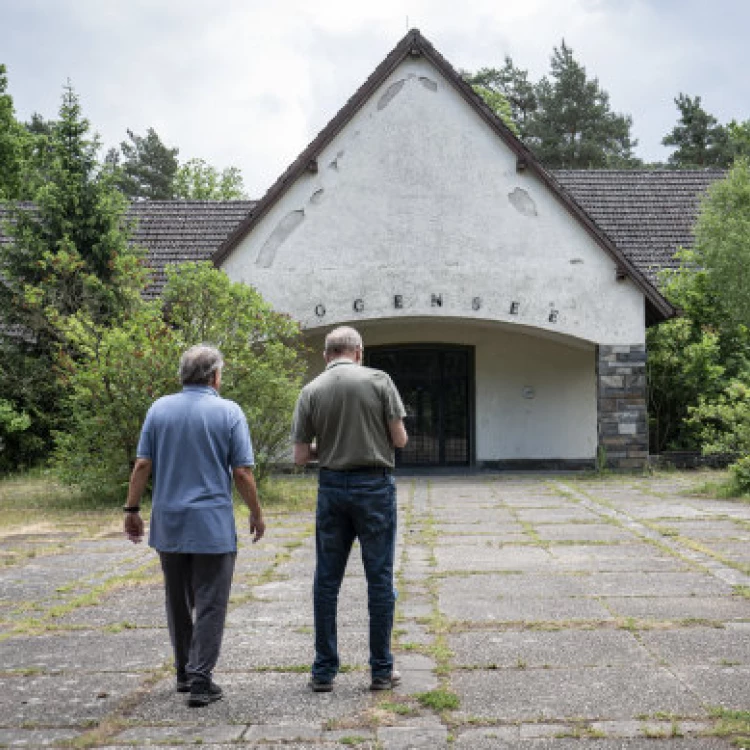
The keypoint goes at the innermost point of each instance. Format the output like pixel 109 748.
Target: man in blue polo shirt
pixel 195 443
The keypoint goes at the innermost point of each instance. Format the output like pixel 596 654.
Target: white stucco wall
pixel 417 211
pixel 558 422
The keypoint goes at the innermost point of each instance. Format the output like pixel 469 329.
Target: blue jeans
pixel 363 506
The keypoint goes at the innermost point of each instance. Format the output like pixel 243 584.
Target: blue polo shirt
pixel 194 439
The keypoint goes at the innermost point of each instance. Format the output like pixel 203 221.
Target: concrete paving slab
pixel 278 647
pixel 480 557
pixel 727 687
pixel 141 606
pixel 84 650
pixel 465 607
pixel 62 700
pixel 714 608
pixel 183 734
pixel 580 532
pixel 619 557
pixel 700 646
pixel 542 516
pixel 49 737
pixel 262 698
pixel 536 649
pixel 591 694
pixel 649 583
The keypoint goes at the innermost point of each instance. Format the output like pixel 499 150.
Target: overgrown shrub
pixel 119 371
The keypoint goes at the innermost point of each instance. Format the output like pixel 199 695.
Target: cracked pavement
pixel 535 612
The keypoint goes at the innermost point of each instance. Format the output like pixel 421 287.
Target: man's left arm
pixel 133 523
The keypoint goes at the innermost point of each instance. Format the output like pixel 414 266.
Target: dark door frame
pixel 471 387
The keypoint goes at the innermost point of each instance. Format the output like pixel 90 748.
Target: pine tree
pixel 148 167
pixel 699 139
pixel 15 146
pixel 67 254
pixel 573 126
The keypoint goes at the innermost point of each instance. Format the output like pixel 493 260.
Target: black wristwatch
pixel 131 508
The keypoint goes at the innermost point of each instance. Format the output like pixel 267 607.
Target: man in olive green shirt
pixel 350 418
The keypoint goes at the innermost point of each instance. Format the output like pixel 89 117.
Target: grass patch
pixel 36 502
pixel 286 493
pixel 733 724
pixel 439 700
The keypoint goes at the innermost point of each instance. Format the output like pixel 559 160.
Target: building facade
pixel 514 328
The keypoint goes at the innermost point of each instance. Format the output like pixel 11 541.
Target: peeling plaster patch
pixel 276 239
pixel 522 202
pixel 335 163
pixel 428 83
pixel 317 197
pixel 390 94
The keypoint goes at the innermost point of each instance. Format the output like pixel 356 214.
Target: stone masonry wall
pixel 622 409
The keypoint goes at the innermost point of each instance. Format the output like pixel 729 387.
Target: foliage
pixel 513 85
pixel 11 422
pixel 262 349
pixel 148 167
pixel 71 251
pixel 118 372
pixel 498 104
pixel 740 476
pixel 573 125
pixel 66 254
pixel 698 355
pixel 15 147
pixel 565 118
pixel 722 241
pixel 699 139
pixel 723 422
pixel 121 369
pixel 196 180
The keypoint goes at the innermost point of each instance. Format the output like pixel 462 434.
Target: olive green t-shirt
pixel 346 410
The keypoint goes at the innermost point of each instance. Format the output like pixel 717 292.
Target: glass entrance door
pixel 435 384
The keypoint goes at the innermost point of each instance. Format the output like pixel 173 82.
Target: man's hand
pixel 133 527
pixel 257 527
pixel 245 481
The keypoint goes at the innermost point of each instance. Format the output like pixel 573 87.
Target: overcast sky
pixel 249 83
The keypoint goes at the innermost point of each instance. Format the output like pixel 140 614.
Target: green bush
pixel 740 473
pixel 120 370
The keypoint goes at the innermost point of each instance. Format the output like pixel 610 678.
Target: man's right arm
pixel 304 453
pixel 244 479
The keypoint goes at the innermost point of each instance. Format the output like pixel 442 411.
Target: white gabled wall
pixel 417 211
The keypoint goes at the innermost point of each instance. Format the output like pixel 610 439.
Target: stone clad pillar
pixel 622 413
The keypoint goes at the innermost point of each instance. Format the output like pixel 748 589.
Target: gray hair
pixel 199 363
pixel 342 340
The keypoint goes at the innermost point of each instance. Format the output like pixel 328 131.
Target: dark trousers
pixel 362 506
pixel 197 594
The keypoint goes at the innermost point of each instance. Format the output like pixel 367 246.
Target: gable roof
pixel 648 214
pixel 416 45
pixel 179 231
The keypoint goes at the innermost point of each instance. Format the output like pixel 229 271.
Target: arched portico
pixel 531 396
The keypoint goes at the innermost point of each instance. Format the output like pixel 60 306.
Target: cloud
pixel 250 83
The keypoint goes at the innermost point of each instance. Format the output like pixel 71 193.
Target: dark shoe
pixel 183 684
pixel 386 683
pixel 202 693
pixel 321 686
